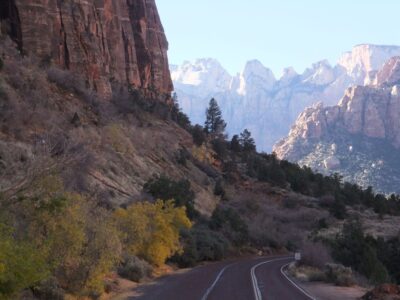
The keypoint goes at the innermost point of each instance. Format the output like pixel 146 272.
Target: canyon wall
pixel 106 41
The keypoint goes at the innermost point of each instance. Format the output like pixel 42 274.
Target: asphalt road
pixel 247 279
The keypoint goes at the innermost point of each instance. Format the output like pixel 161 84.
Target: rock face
pixel 267 106
pixel 365 115
pixel 364 60
pixel 106 41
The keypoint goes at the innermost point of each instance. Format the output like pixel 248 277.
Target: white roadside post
pixel 297 256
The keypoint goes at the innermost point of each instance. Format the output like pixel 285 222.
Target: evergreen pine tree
pixel 235 144
pixel 214 123
pixel 247 142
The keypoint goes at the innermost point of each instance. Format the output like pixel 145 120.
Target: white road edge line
pixel 209 290
pixel 256 289
pixel 294 284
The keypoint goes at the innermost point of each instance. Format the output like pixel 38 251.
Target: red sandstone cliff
pixel 106 40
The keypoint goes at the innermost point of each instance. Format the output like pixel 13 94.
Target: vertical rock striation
pixel 105 40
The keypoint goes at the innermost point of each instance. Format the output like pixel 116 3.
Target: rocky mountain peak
pixel 254 75
pixel 206 71
pixel 366 58
pixel 321 73
pixel 256 68
pixel 288 75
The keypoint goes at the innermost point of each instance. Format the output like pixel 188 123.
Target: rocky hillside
pixel 107 41
pixel 266 105
pixel 359 137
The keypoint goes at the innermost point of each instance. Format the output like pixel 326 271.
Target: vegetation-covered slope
pixel 80 178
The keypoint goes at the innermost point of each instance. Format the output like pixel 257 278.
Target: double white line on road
pixel 257 292
pixel 256 289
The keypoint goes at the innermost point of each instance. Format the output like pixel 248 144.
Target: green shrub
pixel 322 224
pixel 219 189
pixel 211 245
pixel 229 222
pixel 220 147
pixel 198 135
pixel 388 252
pixel 201 244
pixel 338 209
pixel 354 249
pixel 373 268
pixel 182 157
pixel 177 115
pixel 247 143
pixel 134 269
pixel 235 144
pixel 164 188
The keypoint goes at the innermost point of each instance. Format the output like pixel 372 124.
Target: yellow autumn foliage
pixel 21 264
pixel 203 154
pixel 78 240
pixel 151 230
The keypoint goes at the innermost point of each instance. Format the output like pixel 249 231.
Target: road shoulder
pixel 326 291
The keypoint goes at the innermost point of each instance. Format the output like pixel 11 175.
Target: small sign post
pixel 297 256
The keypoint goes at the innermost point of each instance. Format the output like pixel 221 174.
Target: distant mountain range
pixel 358 138
pixel 255 99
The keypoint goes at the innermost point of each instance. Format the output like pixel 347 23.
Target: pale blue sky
pixel 280 33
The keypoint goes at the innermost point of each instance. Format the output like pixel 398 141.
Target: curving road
pixel 247 279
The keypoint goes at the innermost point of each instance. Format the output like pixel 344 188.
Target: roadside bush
pixel 229 222
pixel 306 273
pixel 352 248
pixel 151 231
pixel 339 274
pixel 315 255
pixel 201 244
pixel 134 269
pixel 66 235
pixel 211 245
pixel 190 255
